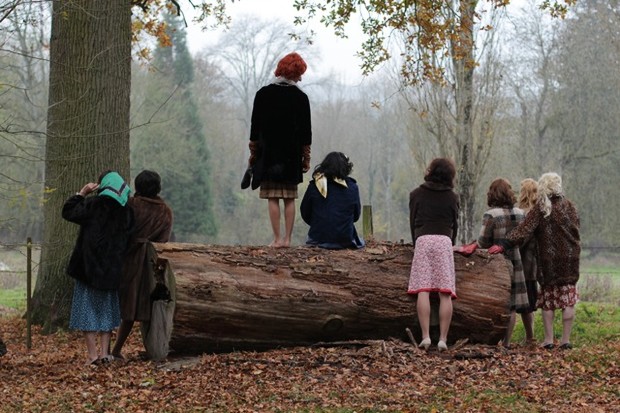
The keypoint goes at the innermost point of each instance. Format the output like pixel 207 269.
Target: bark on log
pixel 257 298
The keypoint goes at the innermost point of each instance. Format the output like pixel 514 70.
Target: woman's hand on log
pixel 466 250
pixel 496 249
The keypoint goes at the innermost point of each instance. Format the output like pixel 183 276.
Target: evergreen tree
pixel 174 142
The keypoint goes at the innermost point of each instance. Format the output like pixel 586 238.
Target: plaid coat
pixel 496 224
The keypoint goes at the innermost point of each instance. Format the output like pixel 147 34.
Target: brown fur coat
pixel 153 222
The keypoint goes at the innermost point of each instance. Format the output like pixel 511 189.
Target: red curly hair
pixel 291 67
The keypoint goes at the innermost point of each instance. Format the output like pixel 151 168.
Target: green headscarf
pixel 113 185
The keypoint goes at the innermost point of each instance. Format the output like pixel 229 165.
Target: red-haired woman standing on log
pixel 280 139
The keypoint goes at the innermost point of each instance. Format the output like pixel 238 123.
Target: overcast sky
pixel 338 55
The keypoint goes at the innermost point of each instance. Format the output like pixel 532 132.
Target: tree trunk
pixel 87 129
pixel 257 298
pixel 464 61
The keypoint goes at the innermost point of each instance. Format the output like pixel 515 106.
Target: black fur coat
pixel 99 252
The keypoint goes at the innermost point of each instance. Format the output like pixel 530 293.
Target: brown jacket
pixel 433 210
pixel 153 223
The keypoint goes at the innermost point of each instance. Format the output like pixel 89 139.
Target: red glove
pixel 466 250
pixel 496 249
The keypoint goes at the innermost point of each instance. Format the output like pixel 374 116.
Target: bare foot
pixel 285 244
pixel 275 244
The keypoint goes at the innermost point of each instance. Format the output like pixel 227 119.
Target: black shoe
pixel 548 346
pixel 565 346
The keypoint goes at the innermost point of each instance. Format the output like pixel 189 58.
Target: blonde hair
pixel 528 194
pixel 549 184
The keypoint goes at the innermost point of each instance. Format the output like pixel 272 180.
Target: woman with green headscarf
pixel 96 263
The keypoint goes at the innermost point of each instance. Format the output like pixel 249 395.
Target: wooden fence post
pixel 367 229
pixel 28 293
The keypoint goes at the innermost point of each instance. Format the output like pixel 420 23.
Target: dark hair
pixel 103 174
pixel 500 194
pixel 441 171
pixel 335 165
pixel 148 184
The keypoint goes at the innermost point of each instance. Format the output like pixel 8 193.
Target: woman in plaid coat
pixel 497 222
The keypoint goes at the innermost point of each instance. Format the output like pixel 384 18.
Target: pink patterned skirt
pixel 432 267
pixel 555 297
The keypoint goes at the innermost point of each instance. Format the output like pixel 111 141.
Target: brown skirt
pixel 277 190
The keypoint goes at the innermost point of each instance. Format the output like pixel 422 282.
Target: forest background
pixel 545 97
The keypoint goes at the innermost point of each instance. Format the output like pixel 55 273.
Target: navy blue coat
pixel 332 219
pixel 281 123
pixel 105 228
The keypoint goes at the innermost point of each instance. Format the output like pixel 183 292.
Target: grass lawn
pixel 594 323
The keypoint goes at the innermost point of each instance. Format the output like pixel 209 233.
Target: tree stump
pixel 257 298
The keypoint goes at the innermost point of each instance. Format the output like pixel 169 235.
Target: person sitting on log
pixel 331 204
pixel 153 223
pixel 433 218
pixel 497 222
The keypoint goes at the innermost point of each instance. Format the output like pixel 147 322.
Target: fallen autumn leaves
pixel 373 376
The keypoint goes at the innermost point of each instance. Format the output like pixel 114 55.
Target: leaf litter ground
pixel 369 376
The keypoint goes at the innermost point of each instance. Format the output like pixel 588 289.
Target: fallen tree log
pixel 256 298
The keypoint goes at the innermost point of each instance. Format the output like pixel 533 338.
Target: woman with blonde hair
pixel 527 199
pixel 554 223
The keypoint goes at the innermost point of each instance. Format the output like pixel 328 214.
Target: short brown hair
pixel 441 171
pixel 500 194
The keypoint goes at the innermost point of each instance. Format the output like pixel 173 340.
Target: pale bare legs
pixel 423 307
pixel 445 317
pixel 91 344
pixel 568 316
pixel 289 220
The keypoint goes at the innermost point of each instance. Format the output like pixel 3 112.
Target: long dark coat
pixel 281 124
pixel 153 222
pixel 99 252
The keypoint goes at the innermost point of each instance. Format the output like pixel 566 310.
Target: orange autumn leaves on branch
pixel 430 31
pixel 148 21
